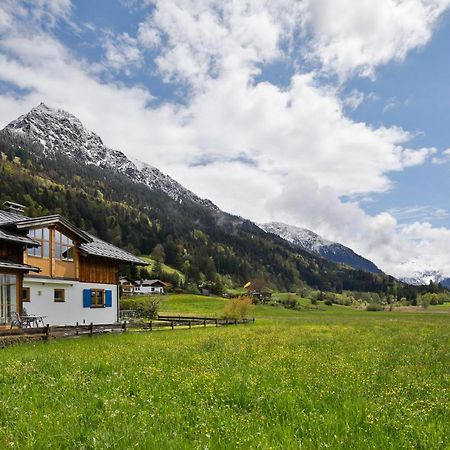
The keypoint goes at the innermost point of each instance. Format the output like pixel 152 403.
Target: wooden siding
pixel 98 270
pixel 11 251
pixel 45 264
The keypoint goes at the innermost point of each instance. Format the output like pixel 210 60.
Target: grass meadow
pixel 334 378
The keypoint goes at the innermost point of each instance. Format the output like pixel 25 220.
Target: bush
pixel 328 302
pixel 290 302
pixel 238 308
pixel 192 288
pixel 146 308
pixel 374 307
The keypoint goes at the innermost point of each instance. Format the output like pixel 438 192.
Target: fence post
pixel 204 322
pixel 235 321
pixel 217 323
pixel 150 325
pixel 253 320
pixel 171 323
pixel 76 329
pixel 124 325
pixel 226 321
pixel 189 324
pixel 91 328
pixel 47 332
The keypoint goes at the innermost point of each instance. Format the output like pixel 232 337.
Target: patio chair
pixel 16 320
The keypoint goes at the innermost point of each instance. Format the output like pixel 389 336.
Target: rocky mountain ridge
pixel 308 240
pixel 61 132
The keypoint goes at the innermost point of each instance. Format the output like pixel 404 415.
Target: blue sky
pixel 413 94
pixel 290 111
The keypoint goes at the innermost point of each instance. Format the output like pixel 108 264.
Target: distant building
pixel 127 286
pixel 149 287
pixel 258 289
pixel 51 268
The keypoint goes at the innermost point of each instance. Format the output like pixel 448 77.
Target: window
pixel 42 235
pixel 25 294
pixel 59 295
pixel 63 247
pixel 97 298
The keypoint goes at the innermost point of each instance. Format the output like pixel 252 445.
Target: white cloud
pixel 122 52
pixel 443 158
pixel 269 153
pixel 148 36
pixel 355 37
pixel 418 213
pixel 354 99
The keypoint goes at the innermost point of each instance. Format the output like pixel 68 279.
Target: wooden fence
pixel 11 336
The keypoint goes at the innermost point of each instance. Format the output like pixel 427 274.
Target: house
pixel 51 268
pixel 258 290
pixel 149 287
pixel 127 286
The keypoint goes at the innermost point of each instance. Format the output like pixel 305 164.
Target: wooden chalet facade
pixel 51 268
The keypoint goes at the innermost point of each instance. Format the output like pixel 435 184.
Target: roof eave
pixel 51 220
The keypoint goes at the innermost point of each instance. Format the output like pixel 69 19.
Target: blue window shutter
pixel 86 298
pixel 108 299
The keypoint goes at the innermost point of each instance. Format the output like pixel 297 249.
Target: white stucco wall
pixel 71 311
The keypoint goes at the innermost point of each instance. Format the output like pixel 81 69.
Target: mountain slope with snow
pixel 308 240
pixel 59 132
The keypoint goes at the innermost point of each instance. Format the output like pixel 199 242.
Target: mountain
pixel 420 274
pixel 59 132
pixel 52 164
pixel 308 240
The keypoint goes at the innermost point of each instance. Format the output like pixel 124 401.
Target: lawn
pixel 333 378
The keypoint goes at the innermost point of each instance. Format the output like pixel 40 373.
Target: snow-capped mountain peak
pixel 60 132
pixel 308 240
pixel 302 237
pixel 419 272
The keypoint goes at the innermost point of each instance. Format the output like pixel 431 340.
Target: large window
pixel 42 235
pixel 63 247
pixel 7 297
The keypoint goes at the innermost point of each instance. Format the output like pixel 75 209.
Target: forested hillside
pixel 202 243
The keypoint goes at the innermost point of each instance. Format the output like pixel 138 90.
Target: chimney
pixel 14 207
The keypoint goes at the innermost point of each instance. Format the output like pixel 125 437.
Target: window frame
pixel 44 240
pixel 59 300
pixel 94 294
pixel 27 297
pixel 63 243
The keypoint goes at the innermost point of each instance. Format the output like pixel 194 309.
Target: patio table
pixel 30 321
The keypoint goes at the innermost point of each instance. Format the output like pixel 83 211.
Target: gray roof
pixel 101 248
pixel 5 264
pixel 151 282
pixel 10 217
pixel 8 236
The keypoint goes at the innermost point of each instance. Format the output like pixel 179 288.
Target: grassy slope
pixel 336 378
pixel 165 267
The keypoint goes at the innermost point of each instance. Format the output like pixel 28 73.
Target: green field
pixel 327 378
